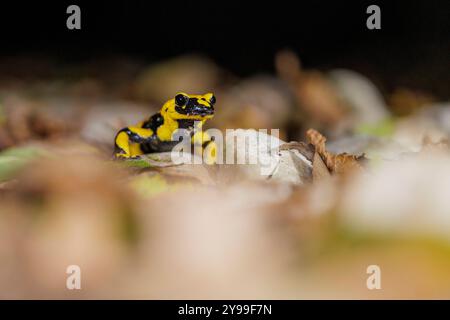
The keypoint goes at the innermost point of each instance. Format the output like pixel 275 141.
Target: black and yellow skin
pixel 155 134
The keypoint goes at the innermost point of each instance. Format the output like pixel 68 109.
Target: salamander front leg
pixel 128 140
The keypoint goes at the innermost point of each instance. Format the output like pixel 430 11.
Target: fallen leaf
pixel 428 145
pixel 313 91
pixel 306 149
pixel 320 170
pixel 339 163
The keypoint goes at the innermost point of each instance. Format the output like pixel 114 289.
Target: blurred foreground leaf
pixel 149 185
pixel 2 115
pixel 12 160
pixel 151 160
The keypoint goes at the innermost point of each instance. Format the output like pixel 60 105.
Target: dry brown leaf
pixel 288 65
pixel 203 174
pixel 339 163
pixel 27 120
pixel 6 140
pixel 314 94
pixel 405 101
pixel 428 145
pixel 320 170
pixel 319 99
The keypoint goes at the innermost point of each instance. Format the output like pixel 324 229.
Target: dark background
pixel 411 49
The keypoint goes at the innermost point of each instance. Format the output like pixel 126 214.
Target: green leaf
pixel 384 128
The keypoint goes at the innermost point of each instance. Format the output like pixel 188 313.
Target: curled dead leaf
pixel 336 163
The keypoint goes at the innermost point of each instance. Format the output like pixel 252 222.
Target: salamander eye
pixel 181 99
pixel 212 100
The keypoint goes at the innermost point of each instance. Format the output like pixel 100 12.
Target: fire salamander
pixel 155 134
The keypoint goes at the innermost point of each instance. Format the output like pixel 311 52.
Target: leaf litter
pixel 147 228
